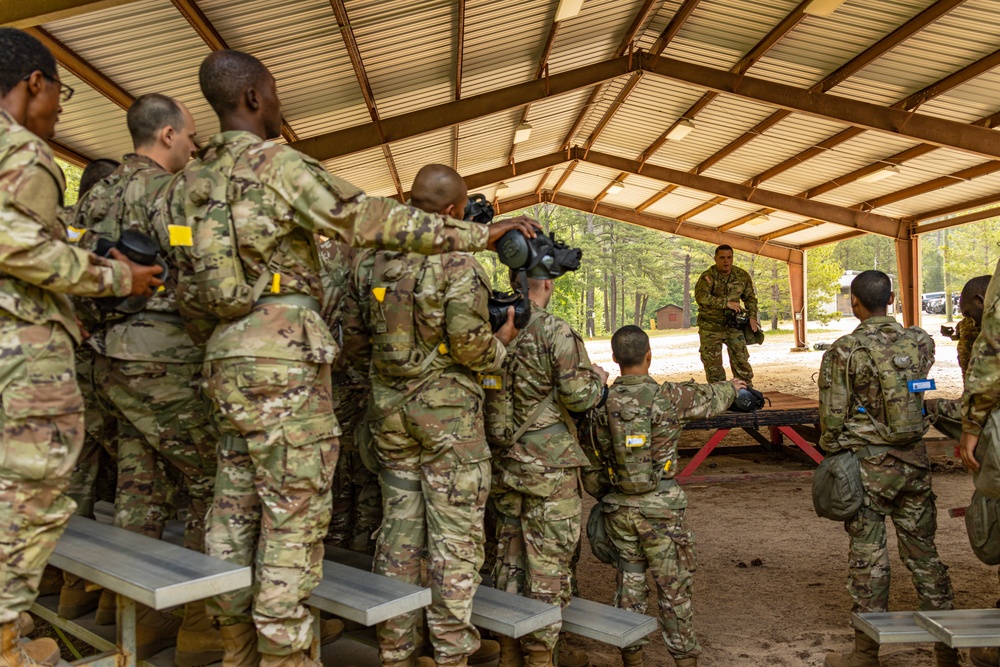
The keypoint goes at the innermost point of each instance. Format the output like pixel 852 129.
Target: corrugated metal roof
pixel 814 234
pixel 91 123
pixel 368 168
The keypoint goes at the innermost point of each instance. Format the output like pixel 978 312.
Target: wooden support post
pixel 797 282
pixel 908 286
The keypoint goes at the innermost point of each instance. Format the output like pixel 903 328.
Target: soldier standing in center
pixel 430 333
pixel 719 291
pixel 536 465
pixel 967 330
pixel 268 369
pixel 866 405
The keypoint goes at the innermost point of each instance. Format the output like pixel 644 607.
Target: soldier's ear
pixel 892 298
pixel 167 135
pixel 251 99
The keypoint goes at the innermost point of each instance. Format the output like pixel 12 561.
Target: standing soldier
pixel 536 465
pixel 866 406
pixel 636 438
pixel 718 292
pixel 268 366
pixel 152 371
pixel 42 410
pixel 430 333
pixel 967 330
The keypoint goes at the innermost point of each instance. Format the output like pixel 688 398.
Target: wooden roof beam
pixel 956 208
pixel 68 154
pixel 853 234
pixel 24 14
pixel 459 59
pixel 974 216
pixel 744 219
pixel 543 64
pixel 199 22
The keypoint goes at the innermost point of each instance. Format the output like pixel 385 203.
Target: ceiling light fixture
pixel 522 133
pixel 759 220
pixel 885 172
pixel 568 9
pixel 822 7
pixel 683 128
pixel 502 189
pixel 617 186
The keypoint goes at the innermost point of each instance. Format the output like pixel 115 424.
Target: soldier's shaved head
pixel 438 187
pixel 873 290
pixel 94 172
pixel 974 298
pixel 976 287
pixel 151 113
pixel 629 345
pixel 242 92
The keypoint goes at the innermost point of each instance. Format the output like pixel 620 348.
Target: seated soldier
pixel 636 434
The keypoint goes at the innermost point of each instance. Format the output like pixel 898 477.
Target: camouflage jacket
pixel 128 199
pixel 982 379
pixel 850 394
pixel 282 198
pixel 546 356
pixel 38 267
pixel 714 290
pixel 450 322
pixel 966 333
pixel 672 407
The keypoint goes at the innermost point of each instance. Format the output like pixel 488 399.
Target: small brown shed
pixel 669 317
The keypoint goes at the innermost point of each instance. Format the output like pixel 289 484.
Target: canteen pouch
pixel 837 491
pixel 597 533
pixel 981 522
pixel 987 478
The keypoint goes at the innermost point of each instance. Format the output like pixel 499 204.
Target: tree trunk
pixel 607 305
pixel 637 317
pixel 944 273
pixel 686 314
pixel 775 297
pixel 591 326
pixel 613 324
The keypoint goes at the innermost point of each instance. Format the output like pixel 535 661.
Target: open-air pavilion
pixel 774 126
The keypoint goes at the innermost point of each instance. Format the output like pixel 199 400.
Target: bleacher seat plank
pixel 154 573
pixel 891 627
pixel 364 597
pixel 962 628
pixel 605 623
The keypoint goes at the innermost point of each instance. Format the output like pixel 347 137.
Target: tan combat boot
pixel 154 631
pixel 74 598
pixel 538 659
pixel 25 623
pixel 52 581
pixel 632 658
pixel 198 641
pixel 510 652
pixel 107 609
pixel 945 656
pixel 985 657
pixel 297 659
pixel 15 653
pixel 239 645
pixel 424 661
pixel 865 653
pixel 330 630
pixel 488 651
pixel 567 656
pixel 686 662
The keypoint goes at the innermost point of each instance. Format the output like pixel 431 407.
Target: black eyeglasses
pixel 65 92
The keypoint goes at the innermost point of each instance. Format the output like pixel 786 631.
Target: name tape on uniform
pixel 917 386
pixel 491 382
pixel 635 440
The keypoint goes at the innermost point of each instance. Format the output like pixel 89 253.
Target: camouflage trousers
pixel 538 532
pixel 271 507
pixel 711 354
pixel 660 541
pixel 42 425
pixel 902 492
pixel 168 425
pixel 357 505
pixel 100 441
pixel 435 483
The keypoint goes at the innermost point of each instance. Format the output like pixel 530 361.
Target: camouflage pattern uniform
pixel 648 529
pixel 42 410
pixel 966 333
pixel 427 422
pixel 269 372
pixel 357 497
pixel 536 481
pixel 712 292
pixel 153 369
pixel 896 479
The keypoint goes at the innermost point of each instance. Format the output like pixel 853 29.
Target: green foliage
pixel 950 257
pixel 73 174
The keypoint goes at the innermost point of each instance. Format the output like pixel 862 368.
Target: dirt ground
pixel 794 607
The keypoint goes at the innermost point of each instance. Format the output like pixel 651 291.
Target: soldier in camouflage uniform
pixel 967 330
pixel 635 436
pixel 41 413
pixel 866 406
pixel 269 372
pixel 357 498
pixel 430 333
pixel 718 290
pixel 536 477
pixel 152 369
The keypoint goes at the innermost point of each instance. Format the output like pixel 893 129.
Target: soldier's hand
pixel 601 373
pixel 947 331
pixel 754 324
pixel 507 332
pixel 967 447
pixel 734 305
pixel 523 224
pixel 143 277
pixel 738 384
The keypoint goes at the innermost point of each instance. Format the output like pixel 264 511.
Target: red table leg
pixel 775 436
pixel 801 443
pixel 703 453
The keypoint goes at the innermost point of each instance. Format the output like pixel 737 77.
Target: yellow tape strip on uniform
pixel 635 440
pixel 491 382
pixel 379 294
pixel 180 235
pixel 276 283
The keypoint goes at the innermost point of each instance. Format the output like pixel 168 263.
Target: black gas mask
pixel 141 249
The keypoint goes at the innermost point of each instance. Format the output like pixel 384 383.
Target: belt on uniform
pixel 636 568
pixel 157 316
pixel 233 443
pixel 558 427
pixel 397 482
pixel 300 300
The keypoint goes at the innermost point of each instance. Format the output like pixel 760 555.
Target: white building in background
pixel 842 300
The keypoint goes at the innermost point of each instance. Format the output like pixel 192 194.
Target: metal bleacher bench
pixel 958 628
pixel 139 569
pixel 515 616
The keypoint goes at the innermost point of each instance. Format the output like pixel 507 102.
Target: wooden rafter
pixel 543 63
pixel 199 22
pixel 24 13
pixel 459 63
pixel 68 154
pixel 956 208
